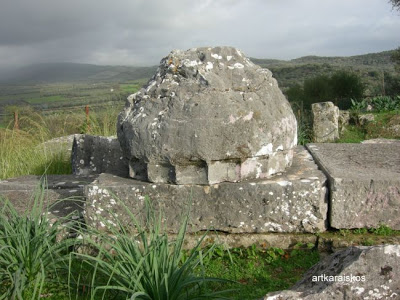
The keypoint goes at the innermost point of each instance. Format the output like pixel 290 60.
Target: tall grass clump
pixel 30 254
pixel 102 122
pixel 147 265
pixel 22 153
pixel 304 123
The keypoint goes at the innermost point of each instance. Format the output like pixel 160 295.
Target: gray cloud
pixel 141 32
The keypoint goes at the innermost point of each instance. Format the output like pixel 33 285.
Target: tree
pixel 317 89
pixel 346 86
pixel 295 93
pixel 396 58
pixel 339 88
pixel 396 4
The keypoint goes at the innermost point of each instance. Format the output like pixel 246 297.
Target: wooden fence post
pixel 87 118
pixel 16 122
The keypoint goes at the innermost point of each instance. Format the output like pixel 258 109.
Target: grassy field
pixel 24 151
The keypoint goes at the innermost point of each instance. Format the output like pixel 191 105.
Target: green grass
pixel 352 134
pixel 46 99
pixel 22 151
pixel 130 88
pixel 260 271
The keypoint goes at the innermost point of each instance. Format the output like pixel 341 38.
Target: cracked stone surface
pixel 62 194
pixel 97 154
pixel 361 273
pixel 364 183
pixel 294 201
pixel 207 105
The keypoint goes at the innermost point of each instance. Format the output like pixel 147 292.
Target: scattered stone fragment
pixel 354 273
pixel 325 122
pixel 364 119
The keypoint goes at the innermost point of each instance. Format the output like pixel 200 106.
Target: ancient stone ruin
pixel 208 115
pixel 213 131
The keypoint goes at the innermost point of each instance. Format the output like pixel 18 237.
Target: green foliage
pixel 23 153
pixel 147 266
pixel 346 86
pixel 352 134
pixel 396 55
pixel 382 230
pixel 340 88
pixel 378 104
pixel 304 123
pixel 395 3
pixel 360 231
pixel 385 103
pixel 30 254
pixel 392 84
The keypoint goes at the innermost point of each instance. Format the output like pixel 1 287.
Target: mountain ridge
pixel 288 72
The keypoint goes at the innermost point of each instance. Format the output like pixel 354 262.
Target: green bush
pixel 378 104
pixel 340 88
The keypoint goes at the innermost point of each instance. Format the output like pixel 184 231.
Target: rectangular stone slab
pixel 364 183
pixel 63 194
pixel 295 201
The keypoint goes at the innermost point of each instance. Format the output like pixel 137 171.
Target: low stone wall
pixel 328 186
pixel 295 201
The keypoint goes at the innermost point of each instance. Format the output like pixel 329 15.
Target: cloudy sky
pixel 141 32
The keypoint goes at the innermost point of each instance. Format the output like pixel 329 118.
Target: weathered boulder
pixel 364 183
pixel 364 119
pixel 294 201
pixel 97 154
pixel 325 122
pixel 208 115
pixel 354 273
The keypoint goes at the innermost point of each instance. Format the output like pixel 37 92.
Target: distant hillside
pixel 288 72
pixel 369 66
pixel 73 72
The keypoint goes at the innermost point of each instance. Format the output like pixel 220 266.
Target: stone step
pixel 63 195
pixel 364 183
pixel 293 201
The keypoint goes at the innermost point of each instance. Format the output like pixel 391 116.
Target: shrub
pixel 378 104
pixel 339 88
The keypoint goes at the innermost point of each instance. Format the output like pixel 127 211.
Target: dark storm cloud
pixel 140 32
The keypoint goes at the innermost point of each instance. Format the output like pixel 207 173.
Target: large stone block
pixel 98 154
pixel 207 105
pixel 353 273
pixel 364 181
pixel 325 122
pixel 191 174
pixel 62 195
pixel 291 202
pixel 223 170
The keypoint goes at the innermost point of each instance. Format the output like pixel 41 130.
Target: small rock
pixel 354 273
